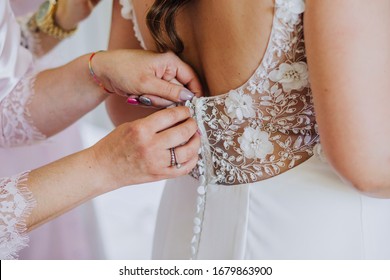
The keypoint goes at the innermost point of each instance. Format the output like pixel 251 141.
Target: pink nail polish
pixel 132 101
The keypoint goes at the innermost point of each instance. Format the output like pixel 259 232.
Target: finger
pixel 174 81
pixel 178 134
pixel 94 2
pixel 166 118
pixel 158 102
pixel 164 89
pixel 186 167
pixel 185 75
pixel 189 150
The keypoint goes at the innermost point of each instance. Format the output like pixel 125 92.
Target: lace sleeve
pixel 16 204
pixel 16 127
pixel 29 40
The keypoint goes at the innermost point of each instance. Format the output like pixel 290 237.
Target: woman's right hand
pixel 134 153
pixel 139 151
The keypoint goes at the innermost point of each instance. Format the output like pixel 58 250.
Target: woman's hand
pixel 139 72
pixel 70 12
pixel 139 151
pixel 133 153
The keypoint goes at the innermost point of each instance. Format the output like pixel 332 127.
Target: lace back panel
pixel 267 125
pixel 263 128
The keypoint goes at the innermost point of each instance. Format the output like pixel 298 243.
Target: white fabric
pixel 263 189
pixel 304 213
pixel 14 59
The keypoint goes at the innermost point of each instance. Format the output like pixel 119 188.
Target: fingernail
pixel 185 95
pixel 144 100
pixel 199 132
pixel 132 101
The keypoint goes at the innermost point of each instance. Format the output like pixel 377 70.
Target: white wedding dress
pixel 263 189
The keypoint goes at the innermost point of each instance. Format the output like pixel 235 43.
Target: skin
pixel 68 92
pixel 134 152
pixel 129 155
pixel 348 53
pixel 348 48
pixel 207 58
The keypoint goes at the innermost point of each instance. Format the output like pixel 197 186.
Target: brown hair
pixel 161 23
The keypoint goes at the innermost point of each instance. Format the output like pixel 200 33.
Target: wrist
pixel 101 166
pixel 62 19
pixel 97 70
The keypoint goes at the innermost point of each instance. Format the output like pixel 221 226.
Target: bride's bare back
pixel 224 41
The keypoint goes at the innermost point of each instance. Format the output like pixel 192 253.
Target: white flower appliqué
pixel 255 143
pixel 289 10
pixel 239 105
pixel 292 76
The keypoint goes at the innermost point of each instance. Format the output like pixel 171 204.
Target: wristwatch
pixel 43 20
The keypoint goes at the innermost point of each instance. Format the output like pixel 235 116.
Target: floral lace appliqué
pixel 16 126
pixel 16 204
pixel 267 125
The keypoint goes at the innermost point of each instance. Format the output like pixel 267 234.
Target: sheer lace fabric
pixel 16 204
pixel 16 201
pixel 267 125
pixel 16 126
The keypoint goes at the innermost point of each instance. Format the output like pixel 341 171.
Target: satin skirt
pixel 307 212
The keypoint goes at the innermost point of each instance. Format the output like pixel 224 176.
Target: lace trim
pixel 128 13
pixel 16 125
pixel 30 40
pixel 16 205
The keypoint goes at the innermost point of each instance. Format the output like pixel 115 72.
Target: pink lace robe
pixel 16 128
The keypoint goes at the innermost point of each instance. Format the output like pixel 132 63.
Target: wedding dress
pixel 262 188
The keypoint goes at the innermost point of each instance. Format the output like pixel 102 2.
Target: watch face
pixel 43 11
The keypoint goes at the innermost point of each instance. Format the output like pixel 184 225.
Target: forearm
pixel 63 185
pixel 33 198
pixel 122 36
pixel 63 95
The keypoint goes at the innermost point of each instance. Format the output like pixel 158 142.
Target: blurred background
pixel 118 225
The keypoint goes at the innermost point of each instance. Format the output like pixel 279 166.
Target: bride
pixel 267 186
